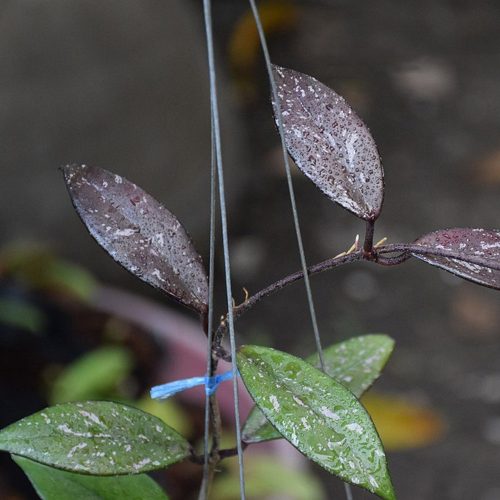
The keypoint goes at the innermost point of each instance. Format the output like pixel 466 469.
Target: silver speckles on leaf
pixel 95 437
pixel 355 363
pixel 317 415
pixel 139 233
pixel 473 243
pixel 330 143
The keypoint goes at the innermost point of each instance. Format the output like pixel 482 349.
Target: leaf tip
pixel 389 493
pixel 70 170
pixel 277 70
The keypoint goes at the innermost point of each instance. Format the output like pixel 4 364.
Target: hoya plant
pixel 104 449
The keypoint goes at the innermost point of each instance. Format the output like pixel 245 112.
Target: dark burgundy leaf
pixel 139 233
pixel 478 251
pixel 330 143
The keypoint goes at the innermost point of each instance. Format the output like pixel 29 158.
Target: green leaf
pixel 23 315
pixel 318 415
pixel 70 277
pixel 169 411
pixel 94 375
pixel 95 437
pixel 54 484
pixel 355 363
pixel 39 268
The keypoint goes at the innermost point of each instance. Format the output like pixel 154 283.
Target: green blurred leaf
pixel 355 363
pixel 265 478
pixel 95 437
pixel 54 484
pixel 318 415
pixel 22 315
pixel 93 376
pixel 72 278
pixel 168 410
pixel 39 268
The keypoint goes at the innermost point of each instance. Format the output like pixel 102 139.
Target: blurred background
pixel 123 85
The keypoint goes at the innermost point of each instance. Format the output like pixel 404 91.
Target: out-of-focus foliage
pixel 266 478
pixel 39 268
pixel 401 423
pixel 169 411
pixel 95 375
pixel 278 16
pixel 19 314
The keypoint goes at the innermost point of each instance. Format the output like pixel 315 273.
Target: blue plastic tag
pixel 211 384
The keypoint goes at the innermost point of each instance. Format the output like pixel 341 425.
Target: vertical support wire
pixel 222 202
pixel 211 275
pixel 348 491
pixel 279 116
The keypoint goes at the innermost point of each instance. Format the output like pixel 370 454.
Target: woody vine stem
pixel 369 252
pixel 375 254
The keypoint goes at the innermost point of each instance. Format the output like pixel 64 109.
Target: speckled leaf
pixel 139 233
pixel 470 244
pixel 355 363
pixel 318 415
pixel 95 437
pixel 330 143
pixel 55 484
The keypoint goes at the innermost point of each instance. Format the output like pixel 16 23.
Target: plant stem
pixel 222 454
pixel 368 244
pixel 377 255
pixel 450 254
pixel 210 464
pixel 211 460
pixel 326 265
pixel 392 261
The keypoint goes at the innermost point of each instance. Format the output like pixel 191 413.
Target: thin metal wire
pixel 291 191
pixel 348 491
pixel 222 202
pixel 211 274
pixel 274 92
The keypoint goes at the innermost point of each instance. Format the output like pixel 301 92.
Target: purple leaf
pixel 330 143
pixel 477 253
pixel 139 233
